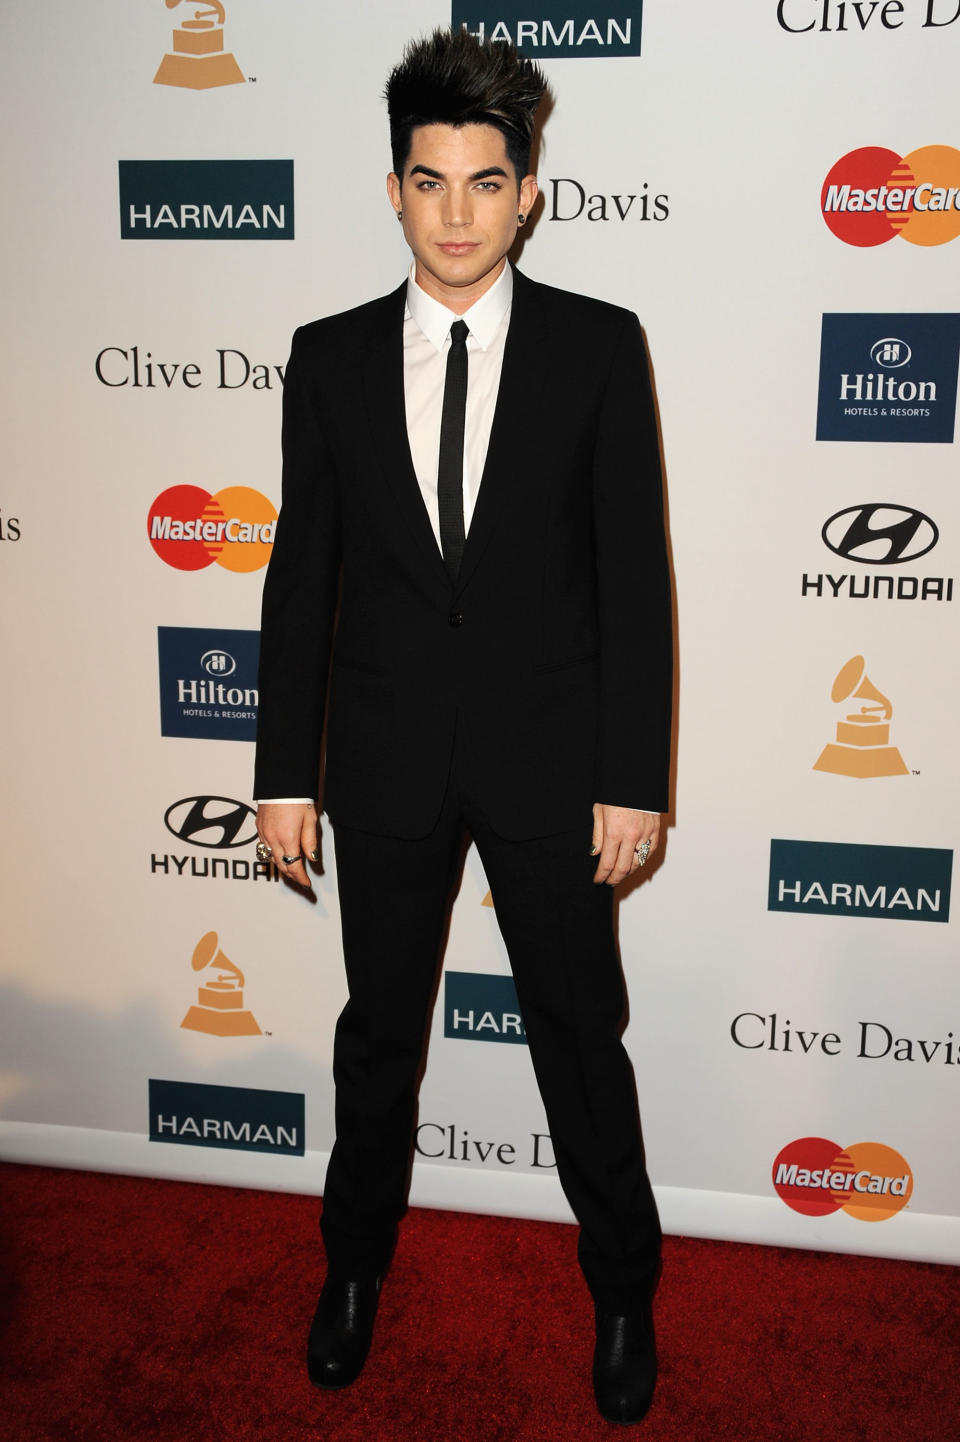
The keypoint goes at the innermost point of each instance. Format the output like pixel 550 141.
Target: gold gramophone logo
pixel 862 747
pixel 219 1010
pixel 199 61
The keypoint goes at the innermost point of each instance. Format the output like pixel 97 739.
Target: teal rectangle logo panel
pixel 891 883
pixel 241 1119
pixel 206 199
pixel 551 31
pixel 479 1007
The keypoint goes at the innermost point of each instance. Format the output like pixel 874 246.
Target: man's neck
pixel 459 299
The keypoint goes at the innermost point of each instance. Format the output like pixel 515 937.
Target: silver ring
pixel 289 860
pixel 264 852
pixel 642 852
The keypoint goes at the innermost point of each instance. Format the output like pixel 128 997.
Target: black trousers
pixel 557 926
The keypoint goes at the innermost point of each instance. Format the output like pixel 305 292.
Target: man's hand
pixel 289 830
pixel 617 832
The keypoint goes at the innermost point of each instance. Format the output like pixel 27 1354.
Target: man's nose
pixel 458 210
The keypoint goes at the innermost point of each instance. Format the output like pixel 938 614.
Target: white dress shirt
pixel 426 345
pixel 426 342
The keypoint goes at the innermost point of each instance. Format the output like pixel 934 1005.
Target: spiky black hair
pixel 453 78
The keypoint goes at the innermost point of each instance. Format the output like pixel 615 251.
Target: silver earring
pixel 521 219
pixel 400 215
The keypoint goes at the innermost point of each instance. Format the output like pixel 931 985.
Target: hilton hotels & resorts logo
pixel 208 682
pixel 862 747
pixel 199 60
pixel 886 377
pixel 869 1181
pixel 890 883
pixel 219 1010
pixel 242 1119
pixel 551 31
pixel 206 199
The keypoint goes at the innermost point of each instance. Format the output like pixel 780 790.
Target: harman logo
pixel 480 1007
pixel 190 529
pixel 572 29
pixel 862 747
pixel 879 533
pixel 868 1181
pixel 206 199
pixel 215 821
pixel 243 1119
pixel 193 700
pixel 830 878
pixel 876 386
pixel 872 194
pixel 199 60
pixel 219 1010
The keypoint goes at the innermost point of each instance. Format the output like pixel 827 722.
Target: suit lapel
pixel 387 428
pixel 511 453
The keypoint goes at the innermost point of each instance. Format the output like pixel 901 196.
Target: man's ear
pixel 393 190
pixel 529 190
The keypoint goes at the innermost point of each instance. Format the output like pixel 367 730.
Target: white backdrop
pixel 734 121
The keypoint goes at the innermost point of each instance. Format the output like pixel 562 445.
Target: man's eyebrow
pixel 477 174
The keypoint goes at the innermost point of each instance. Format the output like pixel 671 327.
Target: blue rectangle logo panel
pixel 888 377
pixel 240 1119
pixel 891 883
pixel 208 682
pixel 549 31
pixel 206 200
pixel 480 1007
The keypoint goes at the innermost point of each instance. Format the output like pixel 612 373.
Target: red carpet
pixel 134 1309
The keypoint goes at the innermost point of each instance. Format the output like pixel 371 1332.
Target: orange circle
pixel 248 535
pixel 934 217
pixel 881 1182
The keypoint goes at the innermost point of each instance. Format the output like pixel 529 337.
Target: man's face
pixel 460 203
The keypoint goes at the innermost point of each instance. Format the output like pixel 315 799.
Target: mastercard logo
pixel 869 1181
pixel 190 529
pixel 872 194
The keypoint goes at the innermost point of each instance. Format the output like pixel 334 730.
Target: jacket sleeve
pixel 299 595
pixel 634 591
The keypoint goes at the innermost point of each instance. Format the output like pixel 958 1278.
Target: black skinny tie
pixel 450 468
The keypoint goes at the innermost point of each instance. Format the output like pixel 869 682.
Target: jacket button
pixel 455 618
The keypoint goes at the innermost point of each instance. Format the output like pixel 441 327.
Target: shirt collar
pixel 484 317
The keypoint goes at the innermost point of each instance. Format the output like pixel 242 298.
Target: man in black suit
pixel 471 552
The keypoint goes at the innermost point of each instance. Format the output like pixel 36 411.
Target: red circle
pixel 864 170
pixel 175 509
pixel 815 1159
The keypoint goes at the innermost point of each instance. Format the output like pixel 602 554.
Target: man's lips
pixel 458 247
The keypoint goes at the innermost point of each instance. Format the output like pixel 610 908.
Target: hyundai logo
pixel 880 534
pixel 215 821
pixel 890 353
pixel 218 663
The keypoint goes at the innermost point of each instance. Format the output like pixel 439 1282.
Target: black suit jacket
pixel 552 652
